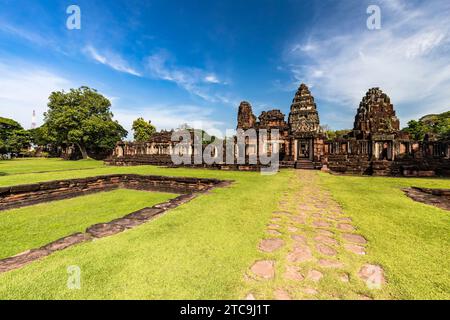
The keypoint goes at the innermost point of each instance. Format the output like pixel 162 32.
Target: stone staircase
pixel 304 164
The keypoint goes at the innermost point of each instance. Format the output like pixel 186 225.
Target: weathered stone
pixel 354 248
pixel 274 232
pixel 324 232
pixel 300 253
pixel 345 227
pixel 281 294
pixel 66 242
pixel 373 275
pixel 102 230
pixel 326 250
pixel 282 213
pixel 330 263
pixel 273 226
pixel 310 291
pixel 315 275
pixel 299 239
pixel 325 239
pixel 321 224
pixel 293 273
pixel 270 245
pixel 356 238
pixel 250 296
pixel 292 229
pixel 264 269
pixel 298 219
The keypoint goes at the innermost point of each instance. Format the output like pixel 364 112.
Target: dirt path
pixel 312 250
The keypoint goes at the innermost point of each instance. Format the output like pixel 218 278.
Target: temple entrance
pixel 304 149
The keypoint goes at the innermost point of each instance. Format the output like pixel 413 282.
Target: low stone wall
pixel 25 195
pixel 435 197
pixel 407 167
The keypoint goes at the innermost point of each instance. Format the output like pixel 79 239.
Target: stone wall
pixel 25 195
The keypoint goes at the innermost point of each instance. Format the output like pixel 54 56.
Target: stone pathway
pixel 312 250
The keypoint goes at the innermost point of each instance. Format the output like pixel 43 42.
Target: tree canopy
pixel 81 117
pixel 13 138
pixel 143 130
pixel 436 124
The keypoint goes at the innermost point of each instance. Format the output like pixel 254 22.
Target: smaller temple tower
pixel 306 140
pixel 304 117
pixel 246 119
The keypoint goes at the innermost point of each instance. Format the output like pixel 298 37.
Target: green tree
pixel 82 117
pixel 143 130
pixel 417 129
pixel 13 138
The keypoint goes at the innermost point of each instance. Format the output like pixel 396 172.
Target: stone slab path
pixel 312 250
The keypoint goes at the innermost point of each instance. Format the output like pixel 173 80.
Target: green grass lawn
pixel 198 250
pixel 410 240
pixel 202 249
pixel 31 227
pixel 29 165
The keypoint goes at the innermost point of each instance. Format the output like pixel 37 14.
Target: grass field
pixel 28 165
pixel 410 239
pixel 31 227
pixel 202 249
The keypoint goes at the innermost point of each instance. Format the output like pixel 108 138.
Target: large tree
pixel 13 138
pixel 143 130
pixel 82 117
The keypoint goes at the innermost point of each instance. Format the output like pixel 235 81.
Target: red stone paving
pixel 293 273
pixel 326 250
pixel 270 245
pixel 326 240
pixel 356 249
pixel 373 275
pixel 346 227
pixel 264 269
pixel 315 275
pixel 281 294
pixel 330 263
pixel 300 253
pixel 317 212
pixel 356 238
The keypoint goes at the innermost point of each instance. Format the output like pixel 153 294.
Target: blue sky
pixel 193 61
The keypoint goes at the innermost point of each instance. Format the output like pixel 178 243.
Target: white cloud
pixel 24 88
pixel 407 59
pixel 170 117
pixel 110 59
pixel 194 80
pixel 211 79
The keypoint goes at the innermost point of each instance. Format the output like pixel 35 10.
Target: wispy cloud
pixel 110 59
pixel 24 88
pixel 194 80
pixel 407 58
pixel 172 116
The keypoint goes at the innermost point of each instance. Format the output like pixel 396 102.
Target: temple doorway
pixel 304 149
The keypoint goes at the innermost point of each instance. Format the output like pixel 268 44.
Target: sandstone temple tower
pixel 246 118
pixel 375 115
pixel 304 126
